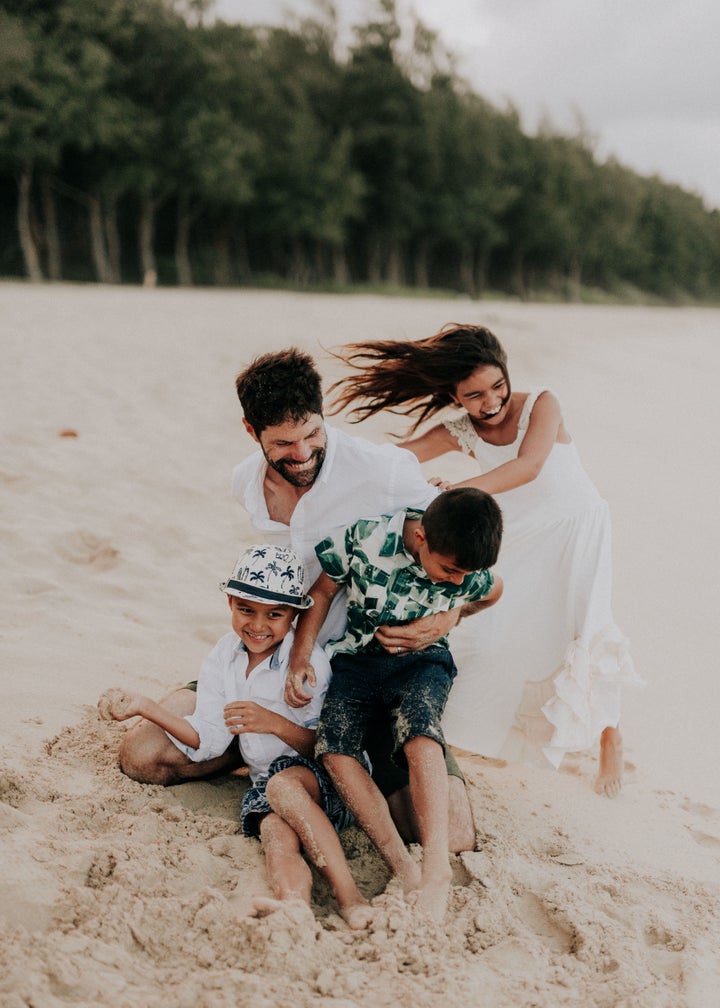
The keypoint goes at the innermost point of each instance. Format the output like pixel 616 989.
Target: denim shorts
pixel 413 688
pixel 255 804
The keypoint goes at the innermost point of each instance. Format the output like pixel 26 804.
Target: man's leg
pixel 429 791
pixel 461 825
pixel 147 755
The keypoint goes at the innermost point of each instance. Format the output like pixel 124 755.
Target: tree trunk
pixel 97 241
pixel 146 235
pixel 420 265
pixel 27 242
pixel 52 235
pixel 395 271
pixel 374 266
pixel 182 245
pixel 467 272
pixel 341 274
pixel 222 270
pixel 112 238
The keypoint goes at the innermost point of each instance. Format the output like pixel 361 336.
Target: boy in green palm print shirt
pixel 397 568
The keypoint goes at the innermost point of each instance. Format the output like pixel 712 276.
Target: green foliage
pixel 241 152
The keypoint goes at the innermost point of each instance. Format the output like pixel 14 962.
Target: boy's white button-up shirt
pixel 223 679
pixel 358 479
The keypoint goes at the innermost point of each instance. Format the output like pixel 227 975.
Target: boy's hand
pixel 298 675
pixel 118 705
pixel 243 716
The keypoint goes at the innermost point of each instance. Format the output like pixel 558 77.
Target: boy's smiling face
pixel 260 626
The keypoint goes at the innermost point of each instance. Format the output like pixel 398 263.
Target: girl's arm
pixel 542 432
pixel 436 441
pixel 308 627
pixel 118 705
pixel 242 716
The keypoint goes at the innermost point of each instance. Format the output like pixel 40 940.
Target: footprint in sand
pixel 85 548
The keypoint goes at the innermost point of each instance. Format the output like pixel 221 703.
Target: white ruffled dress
pixel 540 673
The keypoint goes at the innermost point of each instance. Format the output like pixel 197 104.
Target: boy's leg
pixel 365 800
pixel 147 755
pixel 429 792
pixel 294 794
pixel 289 876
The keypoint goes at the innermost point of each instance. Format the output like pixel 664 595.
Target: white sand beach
pixel 120 427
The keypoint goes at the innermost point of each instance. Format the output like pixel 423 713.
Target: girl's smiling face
pixel 485 395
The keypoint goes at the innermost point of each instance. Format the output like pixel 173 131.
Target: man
pixel 306 482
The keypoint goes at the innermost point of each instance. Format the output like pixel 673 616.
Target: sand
pixel 120 428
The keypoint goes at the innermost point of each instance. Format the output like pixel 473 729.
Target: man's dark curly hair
pixel 278 387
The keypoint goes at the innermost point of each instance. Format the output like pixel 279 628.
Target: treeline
pixel 144 140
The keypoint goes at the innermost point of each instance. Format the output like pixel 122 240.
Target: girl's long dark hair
pixel 415 379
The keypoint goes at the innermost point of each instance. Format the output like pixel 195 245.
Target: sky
pixel 641 76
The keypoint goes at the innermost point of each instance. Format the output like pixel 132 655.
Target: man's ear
pixel 250 430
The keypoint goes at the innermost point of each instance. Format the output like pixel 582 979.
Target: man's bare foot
pixel 609 779
pixel 357 916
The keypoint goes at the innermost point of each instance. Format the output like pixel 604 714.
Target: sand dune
pixel 120 428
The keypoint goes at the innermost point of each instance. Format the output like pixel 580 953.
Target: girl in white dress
pixel 540 674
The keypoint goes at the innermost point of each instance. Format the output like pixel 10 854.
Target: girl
pixel 542 671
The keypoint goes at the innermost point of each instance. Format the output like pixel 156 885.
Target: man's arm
pixel 308 627
pixel 421 633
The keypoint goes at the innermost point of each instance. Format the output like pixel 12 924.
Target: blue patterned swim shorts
pixel 255 804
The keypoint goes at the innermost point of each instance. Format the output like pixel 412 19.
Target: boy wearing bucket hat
pixel 292 804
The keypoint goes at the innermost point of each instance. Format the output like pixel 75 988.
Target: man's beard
pixel 290 474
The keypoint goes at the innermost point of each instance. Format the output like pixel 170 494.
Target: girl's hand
pixel 243 716
pixel 438 481
pixel 118 705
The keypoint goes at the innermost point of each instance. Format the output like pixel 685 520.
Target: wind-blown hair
pixel 415 379
pixel 278 387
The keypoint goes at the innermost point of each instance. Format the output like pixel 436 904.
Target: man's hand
pixel 243 716
pixel 419 634
pixel 295 692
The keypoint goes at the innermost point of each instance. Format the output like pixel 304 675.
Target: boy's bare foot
pixel 433 895
pixel 408 875
pixel 609 779
pixel 357 916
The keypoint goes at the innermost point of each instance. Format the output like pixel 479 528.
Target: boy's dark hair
pixel 465 524
pixel 278 387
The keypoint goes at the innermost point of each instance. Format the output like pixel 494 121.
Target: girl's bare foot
pixel 609 779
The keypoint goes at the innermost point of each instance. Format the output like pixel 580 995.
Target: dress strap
pixel 463 431
pixel 528 407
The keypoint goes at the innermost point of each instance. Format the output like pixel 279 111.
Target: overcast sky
pixel 642 75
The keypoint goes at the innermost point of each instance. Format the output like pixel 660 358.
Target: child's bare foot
pixel 408 875
pixel 357 916
pixel 609 779
pixel 433 895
